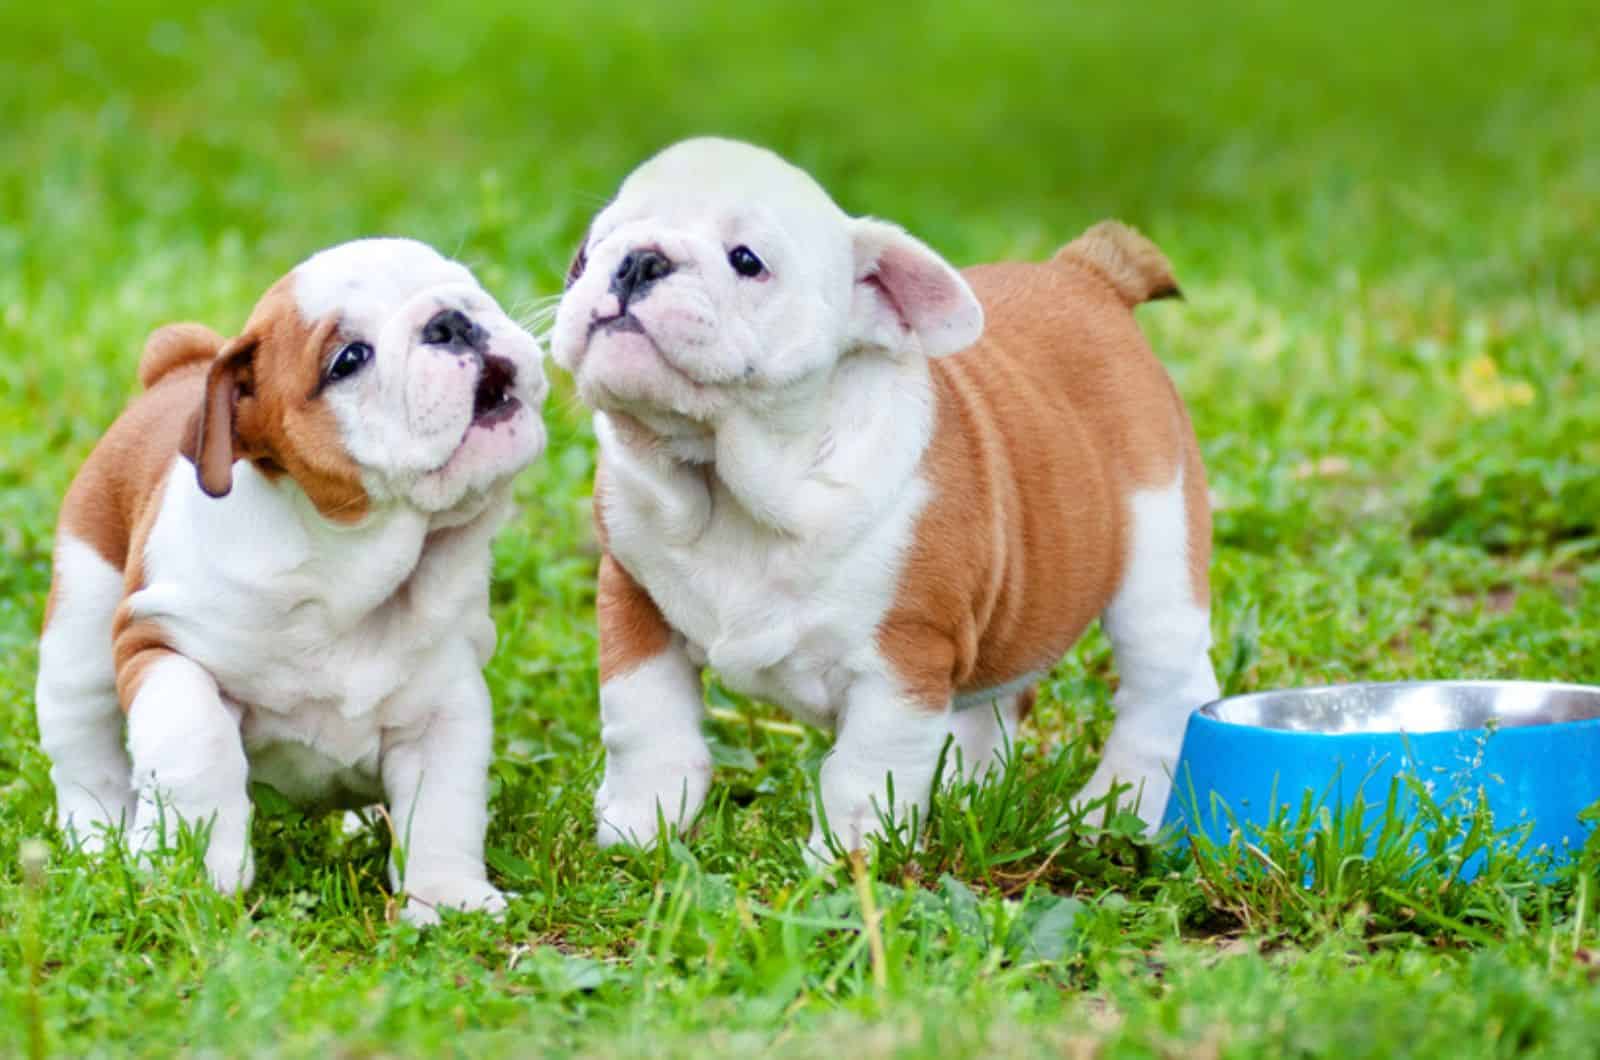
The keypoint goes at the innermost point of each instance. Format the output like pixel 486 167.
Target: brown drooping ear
pixel 172 347
pixel 211 444
pixel 907 299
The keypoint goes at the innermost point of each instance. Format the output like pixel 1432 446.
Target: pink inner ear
pixel 875 281
pixel 918 294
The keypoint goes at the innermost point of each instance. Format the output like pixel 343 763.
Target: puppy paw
pixel 231 867
pixel 228 859
pixel 91 821
pixel 1140 790
pixel 630 809
pixel 426 900
pixel 853 828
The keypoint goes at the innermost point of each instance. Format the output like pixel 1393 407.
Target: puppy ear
pixel 173 346
pixel 580 262
pixel 211 443
pixel 907 299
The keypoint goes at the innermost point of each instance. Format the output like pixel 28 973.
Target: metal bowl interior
pixel 1410 706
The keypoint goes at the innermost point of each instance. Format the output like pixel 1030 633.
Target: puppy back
pixel 173 347
pixel 1134 267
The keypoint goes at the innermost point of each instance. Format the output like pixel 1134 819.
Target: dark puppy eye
pixel 745 262
pixel 580 262
pixel 348 361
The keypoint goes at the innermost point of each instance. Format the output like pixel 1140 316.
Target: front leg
pixel 883 733
pixel 658 766
pixel 189 766
pixel 436 781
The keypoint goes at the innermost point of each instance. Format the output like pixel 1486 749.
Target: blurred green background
pixel 1383 216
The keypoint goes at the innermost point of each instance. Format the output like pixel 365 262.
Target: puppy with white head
pixel 275 567
pixel 880 493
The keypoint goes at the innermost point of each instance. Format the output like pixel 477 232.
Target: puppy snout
pixel 635 274
pixel 454 330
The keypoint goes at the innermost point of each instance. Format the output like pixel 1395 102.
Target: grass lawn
pixel 1384 218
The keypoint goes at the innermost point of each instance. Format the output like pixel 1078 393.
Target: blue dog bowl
pixel 1530 750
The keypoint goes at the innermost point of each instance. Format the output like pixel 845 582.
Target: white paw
pixel 231 866
pixel 425 900
pixel 854 822
pixel 855 801
pixel 229 863
pixel 90 821
pixel 228 858
pixel 1139 789
pixel 851 831
pixel 631 810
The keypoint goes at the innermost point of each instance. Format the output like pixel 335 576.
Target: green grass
pixel 1383 216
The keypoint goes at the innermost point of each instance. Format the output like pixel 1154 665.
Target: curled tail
pixel 1133 265
pixel 174 346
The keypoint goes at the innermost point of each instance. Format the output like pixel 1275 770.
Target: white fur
pixel 332 646
pixel 761 441
pixel 1160 640
pixel 985 733
pixel 189 769
pixel 339 662
pixel 80 721
pixel 807 391
pixel 656 755
pixel 775 573
pixel 711 344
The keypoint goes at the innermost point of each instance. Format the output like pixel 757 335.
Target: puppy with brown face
pixel 275 567
pixel 824 476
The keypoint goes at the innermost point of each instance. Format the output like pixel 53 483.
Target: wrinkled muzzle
pixel 458 407
pixel 652 336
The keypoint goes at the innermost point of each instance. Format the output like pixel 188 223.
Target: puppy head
pixel 722 276
pixel 377 372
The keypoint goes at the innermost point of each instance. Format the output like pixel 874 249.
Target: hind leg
pixel 985 732
pixel 80 722
pixel 1160 632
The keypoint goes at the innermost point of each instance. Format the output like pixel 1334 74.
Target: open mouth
pixel 492 400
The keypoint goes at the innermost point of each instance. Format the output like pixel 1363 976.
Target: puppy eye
pixel 745 262
pixel 348 361
pixel 579 263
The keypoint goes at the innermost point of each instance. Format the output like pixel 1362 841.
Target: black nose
pixel 453 328
pixel 636 272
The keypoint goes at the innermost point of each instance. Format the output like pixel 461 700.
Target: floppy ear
pixel 174 346
pixel 907 299
pixel 211 444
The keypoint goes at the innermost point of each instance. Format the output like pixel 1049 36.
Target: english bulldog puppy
pixel 883 494
pixel 275 567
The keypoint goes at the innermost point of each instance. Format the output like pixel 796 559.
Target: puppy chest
pixel 315 757
pixel 775 623
pixel 346 676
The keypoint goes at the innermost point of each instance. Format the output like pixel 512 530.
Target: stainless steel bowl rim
pixel 1411 707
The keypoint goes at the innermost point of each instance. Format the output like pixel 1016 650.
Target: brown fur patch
pixel 118 489
pixel 1025 701
pixel 632 629
pixel 1043 430
pixel 136 646
pixel 1134 266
